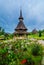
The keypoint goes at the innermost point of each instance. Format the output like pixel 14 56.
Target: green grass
pixel 36 36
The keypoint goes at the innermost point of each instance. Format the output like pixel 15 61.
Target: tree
pixel 2 32
pixel 0 28
pixel 6 35
pixel 40 34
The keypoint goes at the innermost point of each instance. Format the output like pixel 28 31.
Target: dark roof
pixel 21 26
pixel 34 31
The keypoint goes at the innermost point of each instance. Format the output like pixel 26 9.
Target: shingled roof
pixel 21 25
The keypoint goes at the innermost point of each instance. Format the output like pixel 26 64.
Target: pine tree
pixel 40 34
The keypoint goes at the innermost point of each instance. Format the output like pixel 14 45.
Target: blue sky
pixel 33 13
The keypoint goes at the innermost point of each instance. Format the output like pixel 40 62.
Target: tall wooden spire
pixel 21 29
pixel 20 14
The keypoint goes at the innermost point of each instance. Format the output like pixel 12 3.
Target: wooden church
pixel 21 29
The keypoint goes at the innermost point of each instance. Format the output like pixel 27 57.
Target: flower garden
pixel 21 52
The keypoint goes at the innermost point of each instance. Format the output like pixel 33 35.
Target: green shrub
pixel 36 50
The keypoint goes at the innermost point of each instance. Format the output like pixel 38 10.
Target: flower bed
pixel 20 52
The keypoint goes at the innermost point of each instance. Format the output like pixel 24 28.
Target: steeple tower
pixel 21 15
pixel 21 29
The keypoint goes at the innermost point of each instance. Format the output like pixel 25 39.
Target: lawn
pixel 36 36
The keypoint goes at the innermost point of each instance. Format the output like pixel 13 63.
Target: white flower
pixel 9 51
pixel 27 43
pixel 22 46
pixel 10 46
